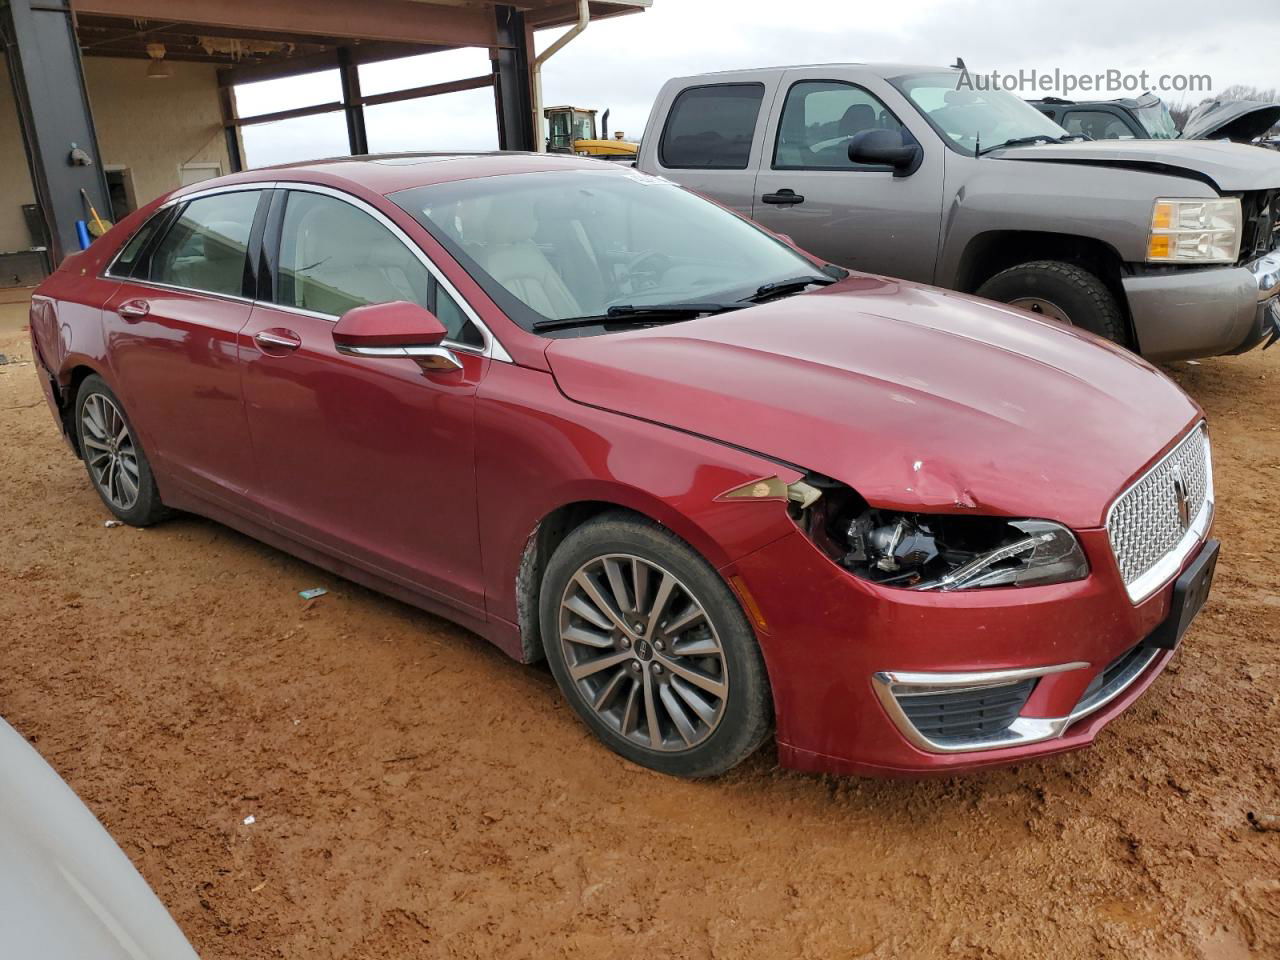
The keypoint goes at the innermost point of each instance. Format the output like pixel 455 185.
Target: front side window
pixel 205 248
pixel 1096 125
pixel 712 127
pixel 334 256
pixel 573 243
pixel 972 119
pixel 820 117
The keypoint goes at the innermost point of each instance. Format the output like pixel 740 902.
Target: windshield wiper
pixel 1024 141
pixel 638 314
pixel 794 285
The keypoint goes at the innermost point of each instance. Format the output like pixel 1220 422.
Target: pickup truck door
pixel 709 137
pixel 861 217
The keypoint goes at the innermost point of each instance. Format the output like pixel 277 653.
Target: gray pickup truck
pixel 1171 248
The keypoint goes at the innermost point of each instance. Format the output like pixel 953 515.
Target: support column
pixel 512 81
pixel 53 111
pixel 227 101
pixel 349 73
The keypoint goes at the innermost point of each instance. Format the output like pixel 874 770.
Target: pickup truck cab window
pixel 820 117
pixel 1096 125
pixel 712 127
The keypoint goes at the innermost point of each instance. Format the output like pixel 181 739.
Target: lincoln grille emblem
pixel 1183 498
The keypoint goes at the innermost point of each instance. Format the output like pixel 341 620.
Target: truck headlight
pixel 1195 231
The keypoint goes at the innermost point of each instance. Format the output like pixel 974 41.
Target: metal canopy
pixel 256 40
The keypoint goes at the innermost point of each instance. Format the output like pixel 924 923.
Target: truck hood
pixel 1230 167
pixel 919 398
pixel 67 892
pixel 1239 120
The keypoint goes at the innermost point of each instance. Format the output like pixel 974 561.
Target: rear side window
pixel 712 127
pixel 126 260
pixel 205 248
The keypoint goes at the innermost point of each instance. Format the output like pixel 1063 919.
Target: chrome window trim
pixel 1167 567
pixel 156 284
pixel 491 348
pixel 889 685
pixel 171 202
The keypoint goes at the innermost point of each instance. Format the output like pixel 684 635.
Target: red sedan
pixel 723 487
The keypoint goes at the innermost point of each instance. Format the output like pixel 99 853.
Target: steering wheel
pixel 645 279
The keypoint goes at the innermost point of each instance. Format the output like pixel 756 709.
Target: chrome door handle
pixel 134 309
pixel 277 340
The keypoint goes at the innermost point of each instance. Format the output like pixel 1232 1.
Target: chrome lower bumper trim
pixel 892 685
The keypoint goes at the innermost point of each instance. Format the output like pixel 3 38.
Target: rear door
pixel 172 330
pixel 369 459
pixel 858 216
pixel 712 135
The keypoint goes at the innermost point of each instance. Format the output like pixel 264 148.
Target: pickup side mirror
pixel 886 148
pixel 395 329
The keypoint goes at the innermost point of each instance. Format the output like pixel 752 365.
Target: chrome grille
pixel 1147 525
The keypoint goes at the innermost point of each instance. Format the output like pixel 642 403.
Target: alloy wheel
pixel 110 451
pixel 643 653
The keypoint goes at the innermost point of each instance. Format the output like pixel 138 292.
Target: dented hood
pixel 918 398
pixel 1228 166
pixel 1239 120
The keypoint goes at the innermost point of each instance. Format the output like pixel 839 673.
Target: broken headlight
pixel 939 551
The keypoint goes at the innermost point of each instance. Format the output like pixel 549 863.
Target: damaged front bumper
pixel 1185 313
pixel 873 680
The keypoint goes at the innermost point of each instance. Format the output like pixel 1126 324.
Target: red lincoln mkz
pixel 720 485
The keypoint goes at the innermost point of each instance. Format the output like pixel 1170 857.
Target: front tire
pixel 652 650
pixel 1060 291
pixel 117 465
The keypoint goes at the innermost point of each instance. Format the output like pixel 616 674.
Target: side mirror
pixel 395 329
pixel 886 148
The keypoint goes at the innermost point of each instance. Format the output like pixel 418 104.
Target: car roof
pixel 880 69
pixel 392 172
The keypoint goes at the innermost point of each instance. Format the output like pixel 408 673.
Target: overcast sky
pixel 621 63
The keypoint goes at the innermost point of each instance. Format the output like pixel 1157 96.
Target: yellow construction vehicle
pixel 573 130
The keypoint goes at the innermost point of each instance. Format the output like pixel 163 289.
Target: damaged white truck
pixel 1171 248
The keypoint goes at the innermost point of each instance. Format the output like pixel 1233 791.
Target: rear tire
pixel 674 680
pixel 113 455
pixel 1061 291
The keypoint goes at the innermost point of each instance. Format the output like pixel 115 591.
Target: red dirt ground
pixel 416 794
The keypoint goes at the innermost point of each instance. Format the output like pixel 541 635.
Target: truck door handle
pixel 784 197
pixel 277 340
pixel 134 310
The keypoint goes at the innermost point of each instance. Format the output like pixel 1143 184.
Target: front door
pixel 172 329
pixel 367 458
pixel 861 217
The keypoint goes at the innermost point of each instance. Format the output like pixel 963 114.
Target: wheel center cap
pixel 643 650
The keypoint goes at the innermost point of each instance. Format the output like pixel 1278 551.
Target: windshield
pixel 1156 119
pixel 573 243
pixel 973 119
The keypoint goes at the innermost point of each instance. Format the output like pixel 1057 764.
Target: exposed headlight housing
pixel 918 551
pixel 1195 231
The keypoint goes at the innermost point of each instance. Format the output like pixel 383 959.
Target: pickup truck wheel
pixel 1060 291
pixel 652 650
